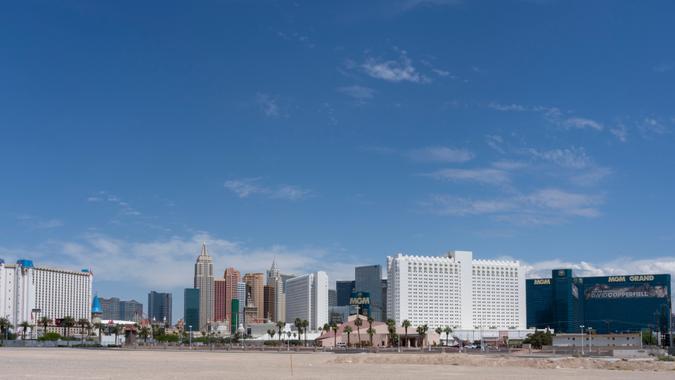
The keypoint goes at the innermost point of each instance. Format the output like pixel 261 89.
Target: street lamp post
pixel 582 339
pixel 590 341
pixel 190 337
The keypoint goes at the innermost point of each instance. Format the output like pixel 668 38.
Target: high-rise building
pixel 307 299
pixel 131 311
pixel 332 297
pixel 606 304
pixel 277 280
pixel 204 282
pixel 369 279
pixel 344 291
pixel 191 308
pixel 220 298
pixel 110 308
pixel 241 296
pixel 159 307
pixel 270 301
pixel 56 293
pixel 384 300
pixel 255 283
pixel 232 279
pixel 456 290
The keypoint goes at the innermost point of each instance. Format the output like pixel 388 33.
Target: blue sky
pixel 334 135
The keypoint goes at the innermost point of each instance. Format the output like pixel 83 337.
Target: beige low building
pixel 380 337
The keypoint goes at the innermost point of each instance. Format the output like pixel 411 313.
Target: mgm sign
pixel 362 302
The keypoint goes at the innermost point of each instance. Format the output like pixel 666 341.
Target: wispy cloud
pixel 300 38
pixel 268 105
pixel 619 266
pixel 107 197
pixel 38 223
pixel 650 127
pixel 488 176
pixel 544 206
pixel 360 93
pixel 398 70
pixel 246 187
pixel 583 123
pixel 441 154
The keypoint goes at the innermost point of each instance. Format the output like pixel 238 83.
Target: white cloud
pixel 441 154
pixel 38 223
pixel 172 260
pixel 582 123
pixel 620 132
pixel 357 92
pixel 620 266
pixel 508 107
pixel 105 196
pixel 485 176
pixel 268 105
pixel 495 142
pixel 544 206
pixel 575 158
pixel 246 187
pixel 509 165
pixel 441 73
pixel 401 70
pixel 650 127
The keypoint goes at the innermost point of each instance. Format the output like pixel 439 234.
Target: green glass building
pixel 625 303
pixel 191 309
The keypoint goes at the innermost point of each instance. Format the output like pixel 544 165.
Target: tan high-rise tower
pixel 256 282
pixel 204 282
pixel 232 278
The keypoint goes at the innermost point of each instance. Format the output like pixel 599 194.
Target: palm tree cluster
pixel 4 327
pixel 391 328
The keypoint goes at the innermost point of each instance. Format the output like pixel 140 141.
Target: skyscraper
pixel 241 296
pixel 159 307
pixel 219 303
pixel 255 283
pixel 276 280
pixel 344 290
pixel 332 297
pixel 232 279
pixel 369 279
pixel 131 311
pixel 270 301
pixel 307 299
pixel 191 306
pixel 204 282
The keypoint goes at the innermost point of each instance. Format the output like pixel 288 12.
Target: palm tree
pixel 271 332
pixel 358 322
pixel 447 330
pixel 405 325
pixel 334 327
pixel 439 331
pixel 4 326
pixel 84 324
pixel 144 333
pixel 371 332
pixel 326 328
pixel 391 328
pixel 99 326
pixel 298 325
pixel 422 332
pixel 370 327
pixel 67 323
pixel 44 322
pixel 25 325
pixel 305 327
pixel 348 330
pixel 116 329
pixel 280 325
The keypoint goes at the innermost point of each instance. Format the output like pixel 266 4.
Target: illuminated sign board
pixel 362 301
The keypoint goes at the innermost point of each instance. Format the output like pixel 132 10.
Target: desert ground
pixel 69 363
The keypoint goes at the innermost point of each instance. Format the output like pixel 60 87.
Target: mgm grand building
pixel 612 304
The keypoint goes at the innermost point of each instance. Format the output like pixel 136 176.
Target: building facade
pixel 607 304
pixel 160 307
pixel 276 280
pixel 131 311
pixel 456 291
pixel 332 297
pixel 343 291
pixel 219 299
pixel 191 309
pixel 28 292
pixel 232 279
pixel 307 299
pixel 204 282
pixel 369 279
pixel 256 285
pixel 270 302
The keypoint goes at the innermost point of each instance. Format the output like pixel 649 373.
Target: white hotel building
pixel 456 291
pixel 55 292
pixel 307 299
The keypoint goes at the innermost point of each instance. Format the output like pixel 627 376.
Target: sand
pixel 69 363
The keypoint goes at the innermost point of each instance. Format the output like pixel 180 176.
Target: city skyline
pixel 339 134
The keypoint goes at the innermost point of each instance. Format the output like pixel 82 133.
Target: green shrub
pixel 50 336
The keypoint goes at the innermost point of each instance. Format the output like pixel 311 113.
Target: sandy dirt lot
pixel 65 363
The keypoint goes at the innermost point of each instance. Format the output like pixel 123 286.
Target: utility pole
pixel 582 339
